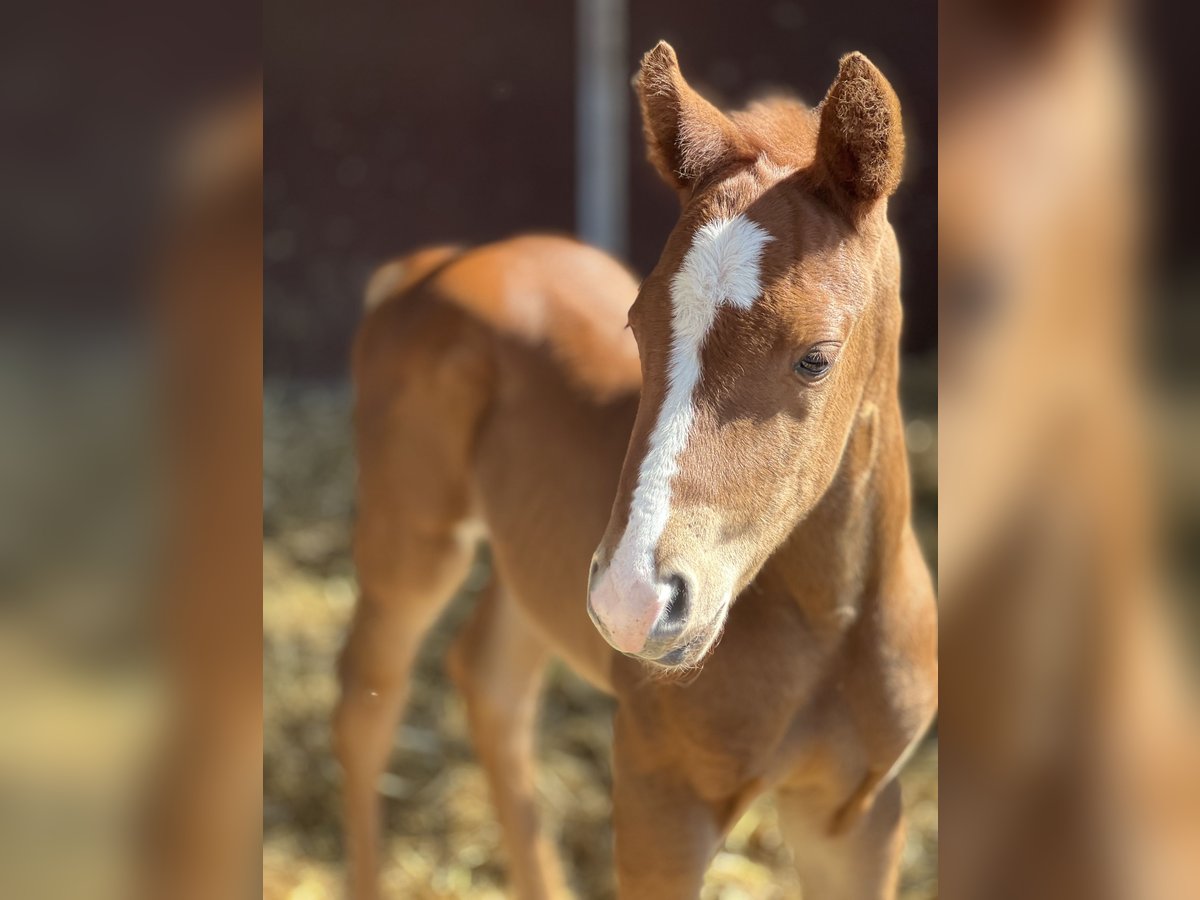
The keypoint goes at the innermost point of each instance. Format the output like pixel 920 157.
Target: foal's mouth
pixel 679 657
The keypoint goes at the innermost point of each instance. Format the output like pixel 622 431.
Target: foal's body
pixel 497 393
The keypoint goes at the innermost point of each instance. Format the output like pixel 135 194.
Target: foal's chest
pixel 748 717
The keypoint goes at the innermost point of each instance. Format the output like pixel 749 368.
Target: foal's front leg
pixel 665 834
pixel 860 862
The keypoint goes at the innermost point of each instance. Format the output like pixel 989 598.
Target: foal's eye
pixel 815 363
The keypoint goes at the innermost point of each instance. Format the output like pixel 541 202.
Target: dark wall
pixel 390 125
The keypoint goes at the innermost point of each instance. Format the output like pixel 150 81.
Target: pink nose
pixel 626 612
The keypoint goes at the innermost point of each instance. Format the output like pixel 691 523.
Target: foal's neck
pixel 834 561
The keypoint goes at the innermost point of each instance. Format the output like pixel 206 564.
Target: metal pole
pixel 601 119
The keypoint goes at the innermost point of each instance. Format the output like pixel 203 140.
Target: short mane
pixel 782 127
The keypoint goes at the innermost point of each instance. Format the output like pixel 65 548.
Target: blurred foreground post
pixel 601 117
pixel 205 810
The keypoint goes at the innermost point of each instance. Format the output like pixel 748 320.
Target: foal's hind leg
pixel 392 617
pixel 412 552
pixel 860 863
pixel 497 662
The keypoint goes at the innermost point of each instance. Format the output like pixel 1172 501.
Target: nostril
pixel 677 610
pixel 595 568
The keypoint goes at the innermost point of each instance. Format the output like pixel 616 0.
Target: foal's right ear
pixel 687 138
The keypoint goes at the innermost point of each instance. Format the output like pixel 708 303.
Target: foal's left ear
pixel 860 141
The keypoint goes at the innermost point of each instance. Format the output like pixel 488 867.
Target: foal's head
pixel 768 324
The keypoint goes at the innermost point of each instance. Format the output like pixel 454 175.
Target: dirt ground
pixel 443 841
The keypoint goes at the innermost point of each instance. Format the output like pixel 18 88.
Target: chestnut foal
pixel 764 463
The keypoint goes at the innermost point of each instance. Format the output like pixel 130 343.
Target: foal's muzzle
pixel 643 617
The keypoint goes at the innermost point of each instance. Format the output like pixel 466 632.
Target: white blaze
pixel 722 267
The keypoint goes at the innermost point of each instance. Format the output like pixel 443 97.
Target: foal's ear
pixel 860 141
pixel 687 138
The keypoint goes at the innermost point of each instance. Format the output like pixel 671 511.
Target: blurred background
pixel 1068 477
pixel 129 460
pixel 389 126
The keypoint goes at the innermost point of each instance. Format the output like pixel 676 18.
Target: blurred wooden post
pixel 601 119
